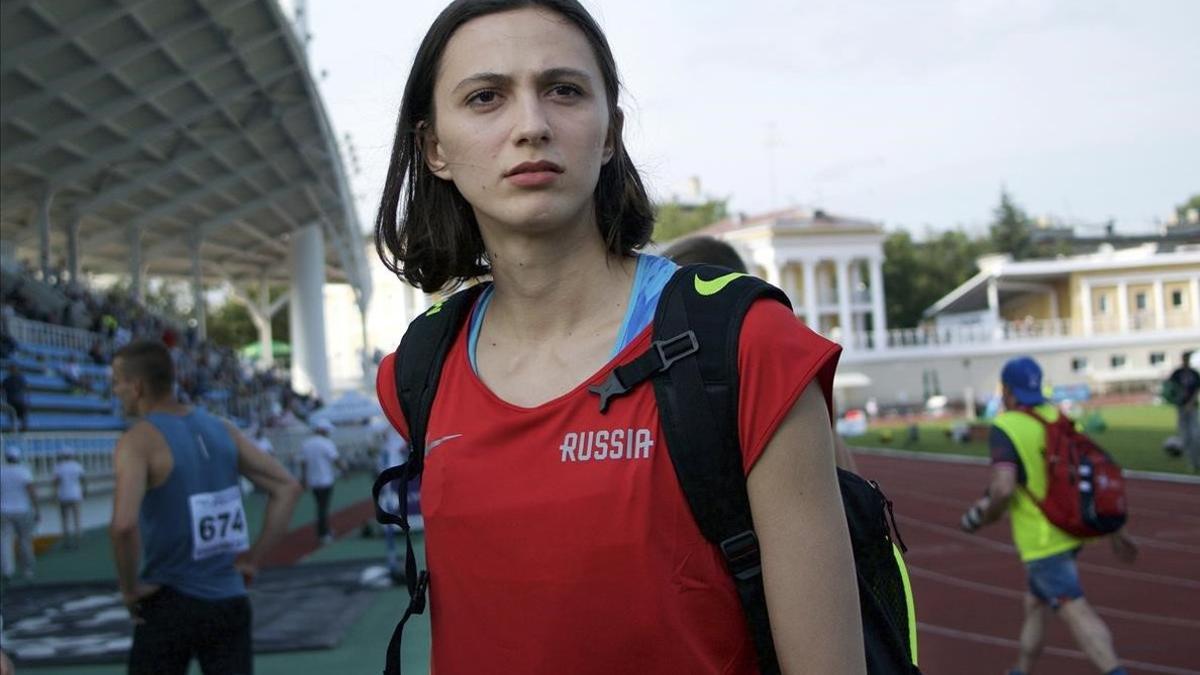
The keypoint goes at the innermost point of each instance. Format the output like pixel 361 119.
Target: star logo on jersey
pixel 714 286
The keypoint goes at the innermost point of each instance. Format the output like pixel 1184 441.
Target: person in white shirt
pixel 18 513
pixel 261 440
pixel 319 461
pixel 71 486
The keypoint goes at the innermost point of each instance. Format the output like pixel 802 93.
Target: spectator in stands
pixel 261 440
pixel 72 374
pixel 71 486
pixel 18 513
pixel 1186 382
pixel 8 344
pixel 16 393
pixel 96 353
pixel 319 461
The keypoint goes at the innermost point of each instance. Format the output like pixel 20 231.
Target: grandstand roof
pixel 178 118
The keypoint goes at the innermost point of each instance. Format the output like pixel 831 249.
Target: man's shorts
pixel 1055 579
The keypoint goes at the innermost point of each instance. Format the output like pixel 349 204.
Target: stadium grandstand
pixel 175 139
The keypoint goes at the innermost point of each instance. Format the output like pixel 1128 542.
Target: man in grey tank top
pixel 179 532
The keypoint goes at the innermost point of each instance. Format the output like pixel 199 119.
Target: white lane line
pixel 1057 651
pixel 991 589
pixel 1175 582
pixel 1141 539
pixel 971 459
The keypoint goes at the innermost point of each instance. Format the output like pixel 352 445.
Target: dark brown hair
pixel 425 231
pixel 148 361
pixel 706 250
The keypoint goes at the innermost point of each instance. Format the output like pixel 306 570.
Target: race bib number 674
pixel 218 523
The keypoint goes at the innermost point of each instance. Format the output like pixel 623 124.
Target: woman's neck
pixel 547 288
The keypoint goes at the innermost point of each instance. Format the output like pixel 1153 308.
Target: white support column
pixel 73 248
pixel 266 351
pixel 1085 299
pixel 787 277
pixel 993 298
pixel 1160 314
pixel 1052 296
pixel 198 313
pixel 878 313
pixel 310 365
pixel 135 261
pixel 773 273
pixel 1122 307
pixel 843 296
pixel 812 316
pixel 1194 299
pixel 43 225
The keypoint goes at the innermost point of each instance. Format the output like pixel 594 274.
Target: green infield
pixel 1134 434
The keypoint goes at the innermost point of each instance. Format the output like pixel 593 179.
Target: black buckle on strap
pixel 662 354
pixel 742 555
pixel 673 349
pixel 610 387
pixel 416 603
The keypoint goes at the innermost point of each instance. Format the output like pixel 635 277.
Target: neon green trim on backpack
pixel 909 602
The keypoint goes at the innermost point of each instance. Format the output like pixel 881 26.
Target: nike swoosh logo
pixel 438 441
pixel 714 286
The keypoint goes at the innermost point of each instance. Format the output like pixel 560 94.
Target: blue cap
pixel 1023 377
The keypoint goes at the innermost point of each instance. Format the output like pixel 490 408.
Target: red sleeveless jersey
pixel 558 539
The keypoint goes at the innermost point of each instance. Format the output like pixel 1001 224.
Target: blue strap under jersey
pixel 652 274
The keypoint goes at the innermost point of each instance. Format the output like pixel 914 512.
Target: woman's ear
pixel 431 152
pixel 613 141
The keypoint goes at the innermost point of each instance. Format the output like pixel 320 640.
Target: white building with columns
pixel 831 267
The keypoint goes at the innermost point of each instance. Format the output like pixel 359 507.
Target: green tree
pixel 230 324
pixel 673 220
pixel 918 274
pixel 1011 230
pixel 1181 211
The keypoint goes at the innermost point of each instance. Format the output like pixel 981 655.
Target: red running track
pixel 968 588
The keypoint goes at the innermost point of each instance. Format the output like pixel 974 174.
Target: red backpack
pixel 1085 491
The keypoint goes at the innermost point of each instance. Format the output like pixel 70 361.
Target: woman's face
pixel 521 121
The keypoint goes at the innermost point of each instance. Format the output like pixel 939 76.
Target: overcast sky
pixel 909 113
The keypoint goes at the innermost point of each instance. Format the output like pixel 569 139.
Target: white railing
pixel 40 450
pixel 977 334
pixel 50 335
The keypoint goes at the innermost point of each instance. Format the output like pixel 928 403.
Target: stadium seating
pixel 54 405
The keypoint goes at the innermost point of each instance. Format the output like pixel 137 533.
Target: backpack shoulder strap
pixel 697 402
pixel 418 369
pixel 419 359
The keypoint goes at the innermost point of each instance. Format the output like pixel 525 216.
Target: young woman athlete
pixel 557 538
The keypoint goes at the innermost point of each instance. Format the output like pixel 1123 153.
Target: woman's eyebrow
pixel 564 73
pixel 493 79
pixel 500 80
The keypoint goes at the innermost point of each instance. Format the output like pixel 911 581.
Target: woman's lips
pixel 532 179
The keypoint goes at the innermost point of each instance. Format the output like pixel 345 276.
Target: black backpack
pixel 692 363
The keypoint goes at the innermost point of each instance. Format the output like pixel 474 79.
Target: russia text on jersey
pixel 606 444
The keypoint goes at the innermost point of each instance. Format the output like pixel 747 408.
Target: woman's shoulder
pixel 769 322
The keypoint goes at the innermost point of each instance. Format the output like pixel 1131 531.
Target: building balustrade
pixel 1008 331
